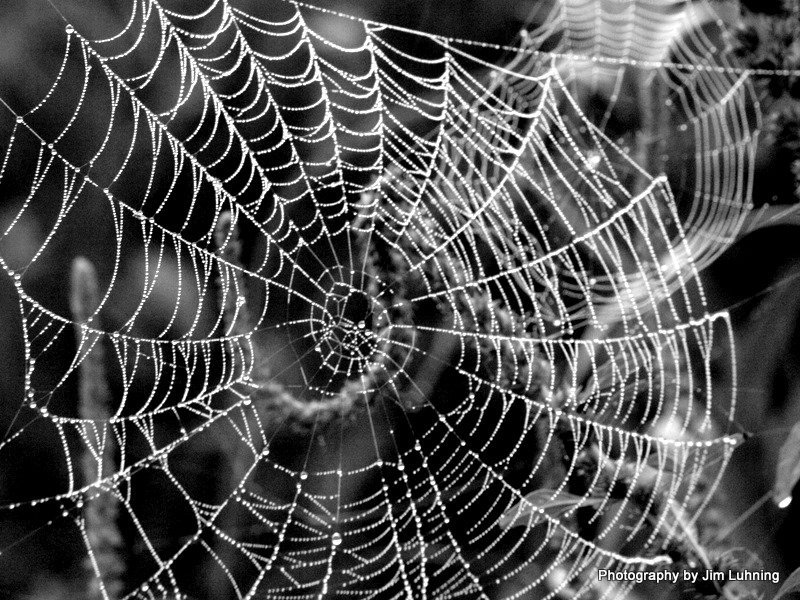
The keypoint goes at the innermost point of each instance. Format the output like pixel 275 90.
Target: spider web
pixel 373 301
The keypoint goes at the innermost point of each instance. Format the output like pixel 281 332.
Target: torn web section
pixel 561 191
pixel 659 79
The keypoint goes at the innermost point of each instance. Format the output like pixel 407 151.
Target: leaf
pixel 790 587
pixel 542 503
pixel 788 471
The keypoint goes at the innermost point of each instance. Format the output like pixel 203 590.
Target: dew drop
pixel 69 29
pixel 303 475
pixel 336 539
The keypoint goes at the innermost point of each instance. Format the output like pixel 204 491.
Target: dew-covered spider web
pixel 378 313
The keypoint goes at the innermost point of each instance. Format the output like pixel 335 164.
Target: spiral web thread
pixel 407 283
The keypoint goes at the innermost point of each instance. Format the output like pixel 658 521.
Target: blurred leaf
pixel 542 503
pixel 790 587
pixel 788 472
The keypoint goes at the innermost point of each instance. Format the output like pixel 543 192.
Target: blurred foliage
pixel 769 39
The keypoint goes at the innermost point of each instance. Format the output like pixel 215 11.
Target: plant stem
pixel 101 507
